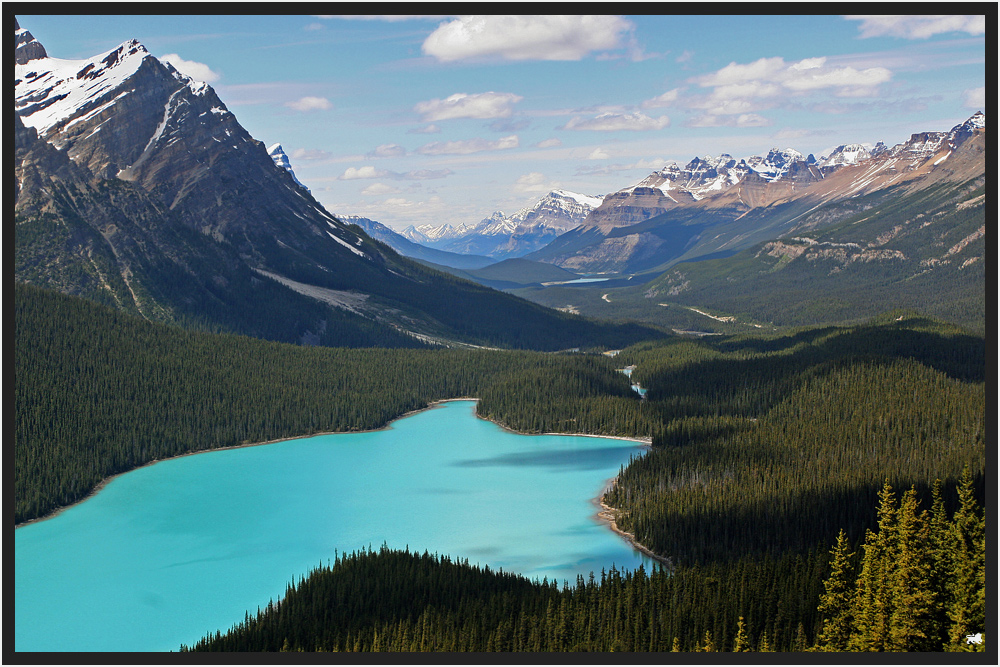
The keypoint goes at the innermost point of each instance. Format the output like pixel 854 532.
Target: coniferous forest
pixel 814 489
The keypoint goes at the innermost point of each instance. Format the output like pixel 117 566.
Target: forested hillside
pixel 845 262
pixel 99 392
pixel 765 449
pixel 900 596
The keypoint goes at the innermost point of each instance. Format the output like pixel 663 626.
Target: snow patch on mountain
pixel 47 91
pixel 281 159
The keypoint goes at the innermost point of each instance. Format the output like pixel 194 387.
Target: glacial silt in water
pixel 166 553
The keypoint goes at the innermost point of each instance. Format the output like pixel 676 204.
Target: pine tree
pixel 741 643
pixel 911 619
pixel 968 607
pixel 837 602
pixel 872 604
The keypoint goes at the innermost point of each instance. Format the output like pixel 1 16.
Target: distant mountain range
pixel 504 236
pixel 722 205
pixel 137 187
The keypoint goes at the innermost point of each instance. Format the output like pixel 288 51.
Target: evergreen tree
pixel 911 619
pixel 968 581
pixel 837 602
pixel 873 602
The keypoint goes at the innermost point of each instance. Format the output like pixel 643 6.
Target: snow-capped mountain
pixel 783 183
pixel 136 186
pixel 845 154
pixel 277 154
pixel 503 236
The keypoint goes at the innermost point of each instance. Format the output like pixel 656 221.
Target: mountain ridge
pixel 175 212
pixel 667 215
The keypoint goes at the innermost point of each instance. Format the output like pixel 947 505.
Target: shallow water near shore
pixel 164 554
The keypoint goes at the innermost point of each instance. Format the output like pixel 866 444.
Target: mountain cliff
pixel 135 185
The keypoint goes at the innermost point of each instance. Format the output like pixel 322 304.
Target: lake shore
pixel 607 514
pixel 432 404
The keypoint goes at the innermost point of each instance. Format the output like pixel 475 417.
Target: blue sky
pixel 445 119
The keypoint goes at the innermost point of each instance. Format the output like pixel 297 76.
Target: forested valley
pixel 771 484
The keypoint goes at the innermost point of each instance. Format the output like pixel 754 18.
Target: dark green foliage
pixel 765 448
pixel 99 392
pixel 844 263
pixel 397 601
pixel 920 583
pixel 778 443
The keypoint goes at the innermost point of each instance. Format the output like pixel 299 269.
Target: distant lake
pixel 168 552
pixel 581 281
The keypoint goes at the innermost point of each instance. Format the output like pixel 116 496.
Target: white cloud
pixel 354 173
pixel 378 189
pixel 310 154
pixel 525 37
pixel 426 174
pixel 388 150
pixel 391 18
pixel 598 154
pixel 613 122
pixel 976 98
pixel 195 70
pixel 729 120
pixel 549 143
pixel 463 105
pixel 430 129
pixel 655 163
pixel 368 171
pixel 918 27
pixel 467 146
pixel 532 182
pixel 665 100
pixel 309 103
pixel 740 89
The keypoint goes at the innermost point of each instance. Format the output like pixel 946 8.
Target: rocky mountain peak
pixel 280 158
pixel 26 47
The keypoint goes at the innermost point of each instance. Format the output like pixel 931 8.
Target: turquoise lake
pixel 164 554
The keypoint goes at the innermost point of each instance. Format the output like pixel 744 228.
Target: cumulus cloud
pixel 976 98
pixel 532 182
pixel 309 103
pixel 613 122
pixel 598 154
pixel 665 100
pixel 467 146
pixel 740 89
pixel 387 150
pixel 525 37
pixel 378 189
pixel 429 129
pixel 919 27
pixel 354 173
pixel 195 70
pixel 463 105
pixel 549 143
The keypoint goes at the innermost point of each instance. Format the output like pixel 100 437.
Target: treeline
pixel 920 587
pixel 98 392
